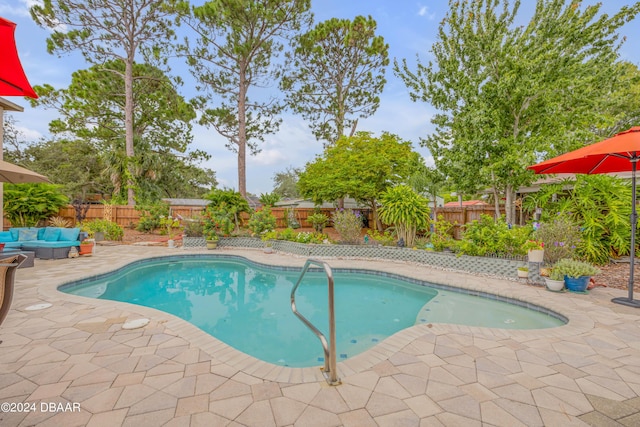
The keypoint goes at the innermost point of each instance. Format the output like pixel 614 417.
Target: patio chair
pixel 7 274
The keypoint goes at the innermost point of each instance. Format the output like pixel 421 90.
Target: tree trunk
pixel 509 207
pixel 377 224
pixel 242 134
pixel 496 201
pixel 128 126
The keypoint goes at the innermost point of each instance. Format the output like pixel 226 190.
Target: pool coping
pixel 578 321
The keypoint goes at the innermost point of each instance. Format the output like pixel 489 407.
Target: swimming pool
pixel 246 305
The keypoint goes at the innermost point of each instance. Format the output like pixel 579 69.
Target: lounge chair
pixel 7 274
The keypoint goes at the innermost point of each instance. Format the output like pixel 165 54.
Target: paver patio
pixel 170 373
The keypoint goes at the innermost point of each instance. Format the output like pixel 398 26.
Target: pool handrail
pixel 329 348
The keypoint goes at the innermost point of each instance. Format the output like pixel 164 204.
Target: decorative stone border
pixel 485 265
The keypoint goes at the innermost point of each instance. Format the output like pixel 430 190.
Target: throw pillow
pixel 69 234
pixel 27 234
pixel 5 236
pixel 51 234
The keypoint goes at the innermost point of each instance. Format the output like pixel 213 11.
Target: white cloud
pixel 267 157
pixel 424 11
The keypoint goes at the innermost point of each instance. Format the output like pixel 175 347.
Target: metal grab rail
pixel 329 370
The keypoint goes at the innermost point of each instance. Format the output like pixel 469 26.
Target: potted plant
pixel 534 249
pixel 212 240
pixel 523 272
pixel 576 273
pixel 555 281
pixel 86 247
pixel 268 248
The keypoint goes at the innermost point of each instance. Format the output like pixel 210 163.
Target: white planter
pixel 171 243
pixel 523 274
pixel 554 285
pixel 536 255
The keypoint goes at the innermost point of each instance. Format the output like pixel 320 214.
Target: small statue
pixel 73 252
pixel 401 243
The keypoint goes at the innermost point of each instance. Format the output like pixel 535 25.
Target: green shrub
pixel 573 268
pixel 230 202
pixel 487 236
pixel 442 236
pixel 269 199
pixel 193 227
pixel 216 222
pixel 600 205
pixel 290 235
pixel 150 215
pixel 406 210
pixel 318 221
pixel 385 238
pixel 25 205
pixel 111 230
pixel 262 221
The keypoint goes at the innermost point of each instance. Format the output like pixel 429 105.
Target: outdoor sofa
pixel 46 242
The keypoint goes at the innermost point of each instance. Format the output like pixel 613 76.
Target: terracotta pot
pixel 86 249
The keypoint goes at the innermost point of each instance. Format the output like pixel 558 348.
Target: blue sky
pixel 408 26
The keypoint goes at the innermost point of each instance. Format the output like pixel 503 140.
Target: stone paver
pixel 171 373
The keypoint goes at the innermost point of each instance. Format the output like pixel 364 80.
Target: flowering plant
pixel 348 224
pixel 561 236
pixel 533 245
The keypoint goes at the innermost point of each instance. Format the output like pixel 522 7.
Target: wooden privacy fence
pixel 460 215
pixel 128 216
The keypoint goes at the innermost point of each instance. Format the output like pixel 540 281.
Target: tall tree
pixel 92 109
pixel 233 53
pixel 286 183
pixel 337 74
pixel 361 166
pixel 107 33
pixel 509 95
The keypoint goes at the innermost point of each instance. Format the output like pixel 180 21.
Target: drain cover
pixel 135 324
pixel 40 306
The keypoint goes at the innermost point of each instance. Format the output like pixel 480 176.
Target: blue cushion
pixel 27 234
pixel 51 234
pixel 69 234
pixel 6 236
pixel 15 232
pixel 41 233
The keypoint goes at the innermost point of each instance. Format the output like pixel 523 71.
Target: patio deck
pixel 170 373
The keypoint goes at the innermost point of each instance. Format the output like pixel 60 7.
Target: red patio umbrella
pixel 619 153
pixel 13 81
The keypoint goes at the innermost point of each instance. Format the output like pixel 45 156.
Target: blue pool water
pixel 247 305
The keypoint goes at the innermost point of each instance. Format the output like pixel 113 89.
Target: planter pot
pixel 98 236
pixel 212 244
pixel 268 250
pixel 171 243
pixel 86 249
pixel 523 274
pixel 576 284
pixel 554 285
pixel 536 255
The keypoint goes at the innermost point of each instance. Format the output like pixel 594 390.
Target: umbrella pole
pixel 634 221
